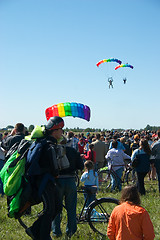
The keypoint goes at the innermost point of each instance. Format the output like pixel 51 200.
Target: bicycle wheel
pixel 104 178
pixel 77 180
pixel 26 220
pixel 130 177
pixel 99 212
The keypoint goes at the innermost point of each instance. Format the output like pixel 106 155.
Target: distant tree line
pixel 31 127
pixel 151 128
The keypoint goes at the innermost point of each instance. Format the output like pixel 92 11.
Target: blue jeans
pixel 119 173
pixel 1 184
pixel 68 190
pixel 89 196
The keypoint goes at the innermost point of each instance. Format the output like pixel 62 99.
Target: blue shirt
pixel 119 146
pixel 90 178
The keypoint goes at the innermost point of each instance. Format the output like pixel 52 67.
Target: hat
pixel 136 136
pixel 55 123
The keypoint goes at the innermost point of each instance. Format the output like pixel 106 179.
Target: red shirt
pixel 89 156
pixel 81 147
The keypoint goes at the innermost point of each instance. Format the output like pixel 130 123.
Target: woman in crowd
pixel 130 221
pixel 143 154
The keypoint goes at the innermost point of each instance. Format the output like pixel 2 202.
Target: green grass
pixel 10 229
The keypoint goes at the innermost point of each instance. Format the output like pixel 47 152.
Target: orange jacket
pixel 130 222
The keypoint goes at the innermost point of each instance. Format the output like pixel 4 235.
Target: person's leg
pixel 56 224
pixel 119 173
pixel 153 173
pixel 157 166
pixel 99 165
pixel 89 195
pixel 113 182
pixel 71 203
pixel 92 197
pixel 42 227
pixel 140 183
pixel 1 184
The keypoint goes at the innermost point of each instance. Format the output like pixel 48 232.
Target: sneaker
pixel 29 233
pixel 28 212
pixel 67 237
pixel 57 235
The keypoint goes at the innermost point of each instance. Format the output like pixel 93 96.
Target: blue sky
pixel 48 55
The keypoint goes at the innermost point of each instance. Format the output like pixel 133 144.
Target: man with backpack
pixel 43 182
pixel 68 190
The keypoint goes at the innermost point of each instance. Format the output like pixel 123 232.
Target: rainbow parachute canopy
pixel 109 60
pixel 68 109
pixel 124 65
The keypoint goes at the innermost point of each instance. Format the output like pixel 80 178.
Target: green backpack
pixel 12 176
pixel 13 173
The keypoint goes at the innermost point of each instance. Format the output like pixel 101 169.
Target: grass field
pixel 11 229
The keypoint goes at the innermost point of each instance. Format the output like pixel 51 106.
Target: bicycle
pixel 104 175
pixel 96 214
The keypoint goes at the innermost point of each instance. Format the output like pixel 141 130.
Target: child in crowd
pixel 90 179
pixel 129 220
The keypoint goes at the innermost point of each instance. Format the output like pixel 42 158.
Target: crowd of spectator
pixel 97 150
pixel 95 146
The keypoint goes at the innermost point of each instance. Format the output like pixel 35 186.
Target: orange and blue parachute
pixel 124 65
pixel 68 109
pixel 109 60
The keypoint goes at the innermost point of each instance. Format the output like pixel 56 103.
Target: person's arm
pixel 110 145
pixel 134 154
pixel 84 177
pixel 154 150
pixel 147 227
pixel 111 229
pixel 88 156
pixel 79 161
pixel 6 142
pixel 108 156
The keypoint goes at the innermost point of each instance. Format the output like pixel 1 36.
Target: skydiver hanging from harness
pixel 124 80
pixel 110 80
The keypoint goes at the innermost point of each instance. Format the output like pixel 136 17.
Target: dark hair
pixel 70 134
pixel 114 144
pixel 1 135
pixel 98 136
pixel 91 146
pixel 19 127
pixel 89 164
pixel 144 144
pixel 115 136
pixel 130 194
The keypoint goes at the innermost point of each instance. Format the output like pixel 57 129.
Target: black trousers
pixel 42 226
pixel 140 183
